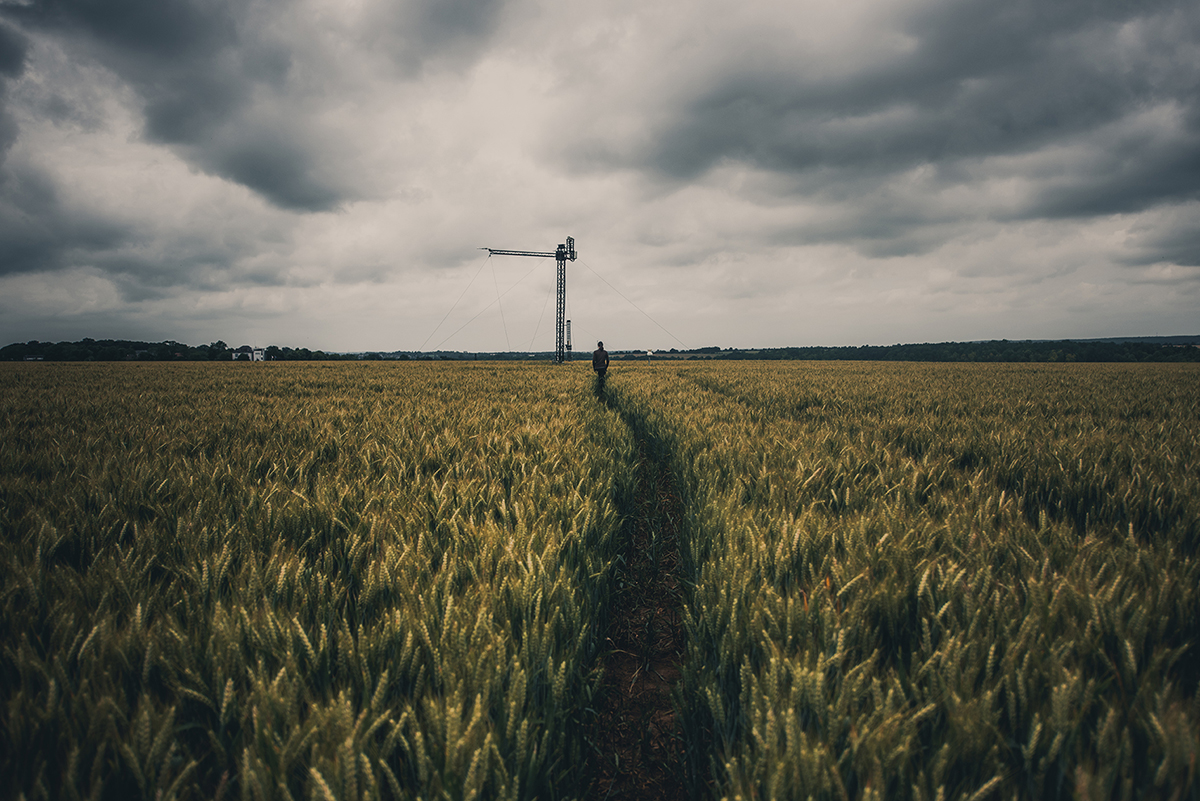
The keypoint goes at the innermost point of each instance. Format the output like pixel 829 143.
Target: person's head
pixel 600 345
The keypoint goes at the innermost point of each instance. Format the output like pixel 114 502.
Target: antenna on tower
pixel 562 254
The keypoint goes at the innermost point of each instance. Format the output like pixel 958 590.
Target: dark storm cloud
pixel 13 49
pixel 201 66
pixel 164 28
pixel 8 125
pixel 38 233
pixel 1129 177
pixel 276 164
pixel 985 79
pixel 172 51
pixel 39 230
pixel 424 31
pixel 34 230
pixel 42 232
pixel 1172 238
pixel 1181 246
pixel 195 64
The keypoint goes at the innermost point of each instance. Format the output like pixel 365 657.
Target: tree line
pixel 1003 350
pixel 118 350
pixel 994 351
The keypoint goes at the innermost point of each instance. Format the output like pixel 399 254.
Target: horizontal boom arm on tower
pixel 494 252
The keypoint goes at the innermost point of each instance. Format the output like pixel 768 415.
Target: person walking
pixel 600 364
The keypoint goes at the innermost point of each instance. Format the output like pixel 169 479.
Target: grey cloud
pixel 441 31
pixel 276 167
pixel 38 233
pixel 163 30
pixel 202 68
pixel 173 52
pixel 31 227
pixel 194 63
pixel 1129 177
pixel 186 108
pixel 8 128
pixel 284 177
pixel 986 78
pixel 13 49
pixel 1178 247
pixel 41 231
pixel 880 223
pixel 1171 236
pixel 986 81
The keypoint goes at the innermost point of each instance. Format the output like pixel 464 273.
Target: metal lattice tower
pixel 561 254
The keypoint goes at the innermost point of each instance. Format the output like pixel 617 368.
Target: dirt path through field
pixel 638 748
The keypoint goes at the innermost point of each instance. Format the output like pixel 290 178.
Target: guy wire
pixel 634 305
pixel 460 297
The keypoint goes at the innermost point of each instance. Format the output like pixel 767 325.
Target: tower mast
pixel 561 254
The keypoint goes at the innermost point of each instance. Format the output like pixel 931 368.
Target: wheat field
pixel 393 580
pixel 938 581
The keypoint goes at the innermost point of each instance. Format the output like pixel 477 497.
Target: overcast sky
pixel 321 173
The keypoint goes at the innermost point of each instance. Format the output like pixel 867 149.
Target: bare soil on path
pixel 638 750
